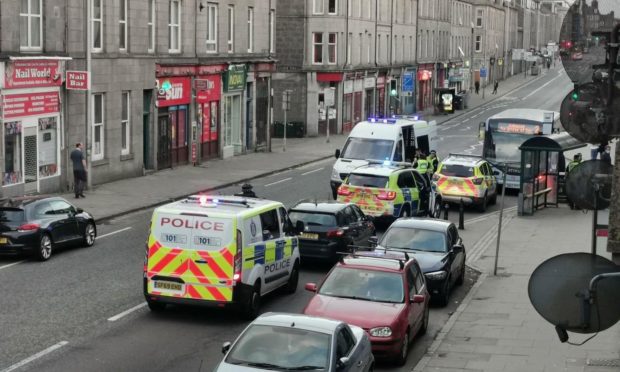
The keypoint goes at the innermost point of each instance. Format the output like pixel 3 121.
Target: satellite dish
pixel 589 180
pixel 558 290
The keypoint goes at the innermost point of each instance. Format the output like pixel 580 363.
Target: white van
pixel 394 139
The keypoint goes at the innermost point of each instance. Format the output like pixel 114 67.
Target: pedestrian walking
pixel 477 86
pixel 606 155
pixel 495 86
pixel 576 161
pixel 79 170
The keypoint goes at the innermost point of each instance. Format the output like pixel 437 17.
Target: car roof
pixel 322 207
pixel 379 260
pixel 458 159
pixel 219 204
pixel 525 114
pixel 22 201
pixel 376 170
pixel 432 224
pixel 306 322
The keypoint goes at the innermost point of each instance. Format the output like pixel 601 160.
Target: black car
pixel 437 247
pixel 329 227
pixel 37 225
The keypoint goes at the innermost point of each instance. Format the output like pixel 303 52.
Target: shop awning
pixel 327 77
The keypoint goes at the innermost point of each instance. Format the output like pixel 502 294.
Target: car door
pixel 352 225
pixel 66 225
pixel 412 315
pixel 274 244
pixel 366 228
pixel 490 179
pixel 420 288
pixel 346 346
pixel 458 258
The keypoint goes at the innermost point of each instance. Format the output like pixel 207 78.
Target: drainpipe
pixel 376 31
pixel 88 148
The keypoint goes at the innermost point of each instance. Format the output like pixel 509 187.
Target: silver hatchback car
pixel 289 342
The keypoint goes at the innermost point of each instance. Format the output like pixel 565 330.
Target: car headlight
pixel 335 174
pixel 381 332
pixel 436 275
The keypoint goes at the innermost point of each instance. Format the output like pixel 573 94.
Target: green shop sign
pixel 235 78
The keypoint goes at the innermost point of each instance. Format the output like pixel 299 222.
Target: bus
pixel 504 132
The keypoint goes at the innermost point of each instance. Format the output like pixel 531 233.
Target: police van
pixel 395 139
pixel 222 251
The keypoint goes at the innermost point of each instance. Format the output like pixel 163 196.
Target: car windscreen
pixel 367 148
pixel 281 348
pixel 457 170
pixel 313 218
pixel 11 215
pixel 362 284
pixel 414 239
pixel 367 180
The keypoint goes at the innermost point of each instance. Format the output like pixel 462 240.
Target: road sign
pixel 286 100
pixel 483 72
pixel 329 97
pixel 408 82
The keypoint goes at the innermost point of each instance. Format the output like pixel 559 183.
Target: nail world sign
pixel 32 74
pixel 77 80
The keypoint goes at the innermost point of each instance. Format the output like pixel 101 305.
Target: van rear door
pixel 193 251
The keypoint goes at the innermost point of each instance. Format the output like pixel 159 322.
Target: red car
pixel 383 292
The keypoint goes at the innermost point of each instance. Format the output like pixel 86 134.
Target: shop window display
pixel 13 153
pixel 48 151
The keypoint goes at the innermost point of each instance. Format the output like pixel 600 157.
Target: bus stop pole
pixel 501 215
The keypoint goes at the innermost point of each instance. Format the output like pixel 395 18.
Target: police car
pixel 466 177
pixel 221 251
pixel 390 190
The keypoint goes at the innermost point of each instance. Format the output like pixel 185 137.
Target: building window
pixel 317 6
pixel 122 25
pixel 231 29
pixel 479 15
pixel 98 127
pixel 360 48
pixel 332 7
pixel 478 43
pixel 332 48
pixel 174 27
pixel 272 19
pixel 317 47
pixel 369 8
pixel 212 28
pixel 97 26
pixel 151 27
pixel 30 25
pixel 125 123
pixel 250 30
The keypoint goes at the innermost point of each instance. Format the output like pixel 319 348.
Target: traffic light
pixel 393 90
pixel 575 93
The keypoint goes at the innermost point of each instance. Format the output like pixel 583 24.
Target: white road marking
pixel 126 312
pixel 113 232
pixel 312 171
pixel 464 129
pixel 539 88
pixel 277 182
pixel 11 264
pixel 35 356
pixel 282 172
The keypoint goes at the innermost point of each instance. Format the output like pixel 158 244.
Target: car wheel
pixel 405 212
pixel 45 248
pixel 252 305
pixel 156 307
pixel 436 211
pixel 291 285
pixel 482 207
pixel 494 199
pixel 461 279
pixel 404 350
pixel 424 326
pixel 89 234
pixel 444 295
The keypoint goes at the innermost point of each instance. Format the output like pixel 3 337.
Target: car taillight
pixel 344 191
pixel 28 227
pixel 387 195
pixel 477 181
pixel 335 233
pixel 238 258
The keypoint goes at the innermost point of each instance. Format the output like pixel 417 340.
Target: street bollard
pixel 446 208
pixel 461 215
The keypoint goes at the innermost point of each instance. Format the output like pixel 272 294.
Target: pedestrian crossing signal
pixel 393 90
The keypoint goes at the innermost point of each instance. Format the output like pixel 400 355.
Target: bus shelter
pixel 543 162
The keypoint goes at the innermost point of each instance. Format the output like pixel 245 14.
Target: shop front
pixel 208 98
pixel 456 77
pixel 380 105
pixel 232 113
pixel 173 99
pixel 328 114
pixel 32 127
pixel 425 87
pixel 369 97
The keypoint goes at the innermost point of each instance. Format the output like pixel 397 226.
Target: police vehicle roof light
pixel 383 120
pixel 387 163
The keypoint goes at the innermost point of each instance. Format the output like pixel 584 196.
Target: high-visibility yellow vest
pixel 572 165
pixel 423 166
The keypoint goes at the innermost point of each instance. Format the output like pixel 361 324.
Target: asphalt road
pixel 84 311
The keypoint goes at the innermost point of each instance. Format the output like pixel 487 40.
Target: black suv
pixel 326 228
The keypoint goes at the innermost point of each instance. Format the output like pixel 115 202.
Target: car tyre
pixel 482 207
pixel 252 306
pixel 424 326
pixel 44 252
pixel 404 350
pixel 436 211
pixel 156 307
pixel 293 280
pixel 494 199
pixel 444 295
pixel 461 279
pixel 405 212
pixel 90 233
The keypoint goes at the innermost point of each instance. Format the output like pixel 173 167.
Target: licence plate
pixel 170 286
pixel 310 236
pixel 3 241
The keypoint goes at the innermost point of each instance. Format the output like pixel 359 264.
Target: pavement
pixel 113 199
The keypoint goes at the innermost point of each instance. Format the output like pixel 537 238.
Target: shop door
pixel 262 111
pixel 248 117
pixel 30 160
pixel 369 104
pixel 146 129
pixel 179 146
pixel 210 129
pixel 164 131
pixel 357 108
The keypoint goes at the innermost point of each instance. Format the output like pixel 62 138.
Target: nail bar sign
pixel 77 80
pixel 30 104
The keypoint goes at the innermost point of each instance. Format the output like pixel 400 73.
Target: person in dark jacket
pixel 606 155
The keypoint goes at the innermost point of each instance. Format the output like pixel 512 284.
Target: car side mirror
pixel 79 210
pixel 417 299
pixel 373 240
pixel 225 347
pixel 458 248
pixel 299 227
pixel 342 363
pixel 311 287
pixel 337 153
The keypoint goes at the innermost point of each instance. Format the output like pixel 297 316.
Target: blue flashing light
pixel 415 117
pixel 387 163
pixel 216 201
pixel 382 120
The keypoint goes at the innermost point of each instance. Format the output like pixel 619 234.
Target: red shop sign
pixel 32 73
pixel 77 80
pixel 208 88
pixel 29 104
pixel 173 91
pixel 425 75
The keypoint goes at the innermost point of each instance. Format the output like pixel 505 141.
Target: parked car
pixel 437 247
pixel 38 225
pixel 330 227
pixel 293 342
pixel 383 292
